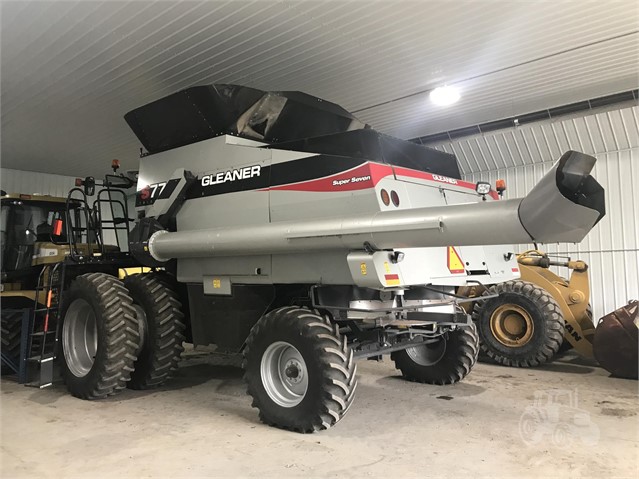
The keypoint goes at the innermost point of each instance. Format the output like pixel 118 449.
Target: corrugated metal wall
pixel 522 155
pixel 16 181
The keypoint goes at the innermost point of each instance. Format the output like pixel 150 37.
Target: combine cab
pixel 295 234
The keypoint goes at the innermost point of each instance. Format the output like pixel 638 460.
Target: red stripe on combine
pixel 390 277
pixel 367 176
pixel 359 178
pixel 407 172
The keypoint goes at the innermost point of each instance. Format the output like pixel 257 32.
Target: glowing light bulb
pixel 444 95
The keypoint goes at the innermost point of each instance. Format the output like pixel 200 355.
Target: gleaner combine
pixel 280 226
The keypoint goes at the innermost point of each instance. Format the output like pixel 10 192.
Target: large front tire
pixel 521 327
pixel 299 370
pixel 445 361
pixel 161 321
pixel 99 336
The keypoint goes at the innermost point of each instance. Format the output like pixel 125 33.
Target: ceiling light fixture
pixel 444 95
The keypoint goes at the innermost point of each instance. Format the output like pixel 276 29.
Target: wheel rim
pixel 512 325
pixel 428 354
pixel 80 337
pixel 284 374
pixel 140 315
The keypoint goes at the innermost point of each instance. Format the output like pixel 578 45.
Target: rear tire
pixel 445 362
pixel 299 370
pixel 522 327
pixel 162 330
pixel 99 336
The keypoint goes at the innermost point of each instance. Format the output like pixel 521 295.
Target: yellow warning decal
pixel 217 284
pixel 387 267
pixel 392 279
pixel 362 268
pixel 455 263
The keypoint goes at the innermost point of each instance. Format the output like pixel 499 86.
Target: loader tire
pixel 161 324
pixel 299 370
pixel 522 327
pixel 447 361
pixel 99 336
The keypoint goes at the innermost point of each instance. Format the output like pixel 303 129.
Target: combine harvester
pixel 283 227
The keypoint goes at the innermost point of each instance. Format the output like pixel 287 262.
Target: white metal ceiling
pixel 70 70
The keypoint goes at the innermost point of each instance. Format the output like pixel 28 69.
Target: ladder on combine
pixel 44 337
pixel 94 230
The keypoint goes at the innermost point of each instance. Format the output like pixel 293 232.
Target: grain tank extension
pixel 307 240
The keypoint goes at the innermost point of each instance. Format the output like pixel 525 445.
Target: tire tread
pixel 333 354
pixel 121 343
pixel 554 323
pixel 167 342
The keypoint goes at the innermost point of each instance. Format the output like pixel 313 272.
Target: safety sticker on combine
pixel 392 279
pixel 455 263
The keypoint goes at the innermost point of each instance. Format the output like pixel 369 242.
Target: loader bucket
pixel 615 344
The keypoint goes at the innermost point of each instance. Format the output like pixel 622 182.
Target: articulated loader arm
pixel 572 296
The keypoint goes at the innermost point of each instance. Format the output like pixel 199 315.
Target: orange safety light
pixel 500 186
pixel 57 227
pixel 79 182
pixel 385 197
pixel 115 164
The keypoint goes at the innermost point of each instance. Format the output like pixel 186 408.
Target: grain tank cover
pixel 204 112
pixel 372 145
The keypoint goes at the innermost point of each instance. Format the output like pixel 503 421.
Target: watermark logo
pixel 555 417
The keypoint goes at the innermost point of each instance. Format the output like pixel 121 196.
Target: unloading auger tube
pixel 562 207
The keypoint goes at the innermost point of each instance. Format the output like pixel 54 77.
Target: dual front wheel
pixel 116 335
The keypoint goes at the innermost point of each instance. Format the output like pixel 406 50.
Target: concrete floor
pixel 201 424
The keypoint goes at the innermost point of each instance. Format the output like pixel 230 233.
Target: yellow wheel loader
pixel 534 318
pixel 542 314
